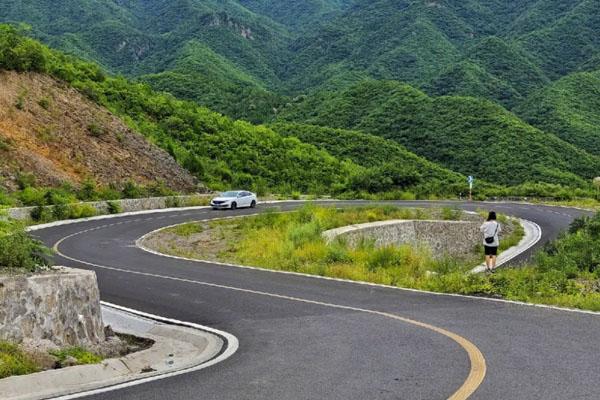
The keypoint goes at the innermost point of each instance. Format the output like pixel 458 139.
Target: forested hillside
pixel 569 108
pixel 467 135
pixel 241 57
pixel 513 80
pixel 220 152
pixel 389 164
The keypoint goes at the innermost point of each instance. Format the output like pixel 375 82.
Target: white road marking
pixel 231 346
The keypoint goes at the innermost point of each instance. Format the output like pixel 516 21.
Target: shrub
pixel 25 180
pixel 60 212
pixel 14 362
pixel 40 214
pixel 132 191
pixel 88 190
pixel 77 211
pixel 113 207
pixel 18 250
pixel 44 102
pixel 173 202
pixel 95 130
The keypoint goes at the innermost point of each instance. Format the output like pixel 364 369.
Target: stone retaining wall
pixel 61 306
pixel 452 238
pixel 126 205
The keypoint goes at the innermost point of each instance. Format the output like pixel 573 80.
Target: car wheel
pixel 233 205
pixel 253 204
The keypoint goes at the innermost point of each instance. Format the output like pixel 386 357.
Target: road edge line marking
pixel 477 363
pixel 362 283
pixel 231 345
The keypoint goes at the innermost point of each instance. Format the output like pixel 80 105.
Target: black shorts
pixel 491 251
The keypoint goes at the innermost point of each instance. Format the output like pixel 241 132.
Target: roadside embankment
pixel 89 209
pixel 444 238
pixel 176 349
pixel 61 305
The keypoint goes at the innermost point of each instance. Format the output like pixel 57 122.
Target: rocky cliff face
pixel 53 132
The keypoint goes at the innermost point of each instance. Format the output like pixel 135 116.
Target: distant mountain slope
pixel 375 152
pixel 569 108
pixel 222 153
pixel 210 46
pixel 467 135
pixel 493 69
pixel 298 14
pixel 244 57
pixel 51 131
pixel 566 41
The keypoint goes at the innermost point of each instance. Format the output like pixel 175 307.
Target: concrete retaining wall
pixel 127 205
pixel 452 238
pixel 61 306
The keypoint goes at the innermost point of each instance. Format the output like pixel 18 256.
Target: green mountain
pixel 493 69
pixel 379 155
pixel 565 41
pixel 569 108
pixel 221 152
pixel 468 63
pixel 299 14
pixel 467 135
pixel 257 51
pixel 199 50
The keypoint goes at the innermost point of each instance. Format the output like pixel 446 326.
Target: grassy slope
pixel 467 135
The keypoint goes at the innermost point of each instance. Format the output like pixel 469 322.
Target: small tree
pixel 596 183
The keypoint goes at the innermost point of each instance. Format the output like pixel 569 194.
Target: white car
pixel 234 199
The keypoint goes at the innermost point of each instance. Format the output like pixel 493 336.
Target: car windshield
pixel 229 194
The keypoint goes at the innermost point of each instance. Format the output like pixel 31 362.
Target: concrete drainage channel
pixel 179 347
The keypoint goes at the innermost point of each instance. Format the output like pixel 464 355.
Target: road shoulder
pixel 179 348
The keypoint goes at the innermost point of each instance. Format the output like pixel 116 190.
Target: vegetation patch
pixel 18 251
pixel 293 242
pixel 78 354
pixel 13 361
pixel 566 273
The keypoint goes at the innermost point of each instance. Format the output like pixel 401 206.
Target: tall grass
pixel 293 241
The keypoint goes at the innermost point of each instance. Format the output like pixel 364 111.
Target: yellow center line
pixel 476 358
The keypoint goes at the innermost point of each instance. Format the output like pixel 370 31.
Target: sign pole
pixel 470 180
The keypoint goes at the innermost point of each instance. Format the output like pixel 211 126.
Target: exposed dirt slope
pixel 50 130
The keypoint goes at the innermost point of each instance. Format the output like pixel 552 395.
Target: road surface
pixel 309 338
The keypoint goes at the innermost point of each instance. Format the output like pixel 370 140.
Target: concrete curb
pixel 533 234
pixel 179 348
pixel 33 228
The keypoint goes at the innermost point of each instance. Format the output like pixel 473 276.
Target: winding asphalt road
pixel 308 338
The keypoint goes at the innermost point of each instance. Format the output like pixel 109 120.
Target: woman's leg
pixel 493 262
pixel 488 262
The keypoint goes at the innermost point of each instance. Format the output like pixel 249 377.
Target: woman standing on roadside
pixel 490 229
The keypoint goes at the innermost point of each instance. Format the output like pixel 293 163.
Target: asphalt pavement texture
pixel 291 349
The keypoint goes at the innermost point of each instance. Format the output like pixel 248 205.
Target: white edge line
pixel 231 346
pixel 139 241
pixel 521 303
pixel 524 245
pixel 109 216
